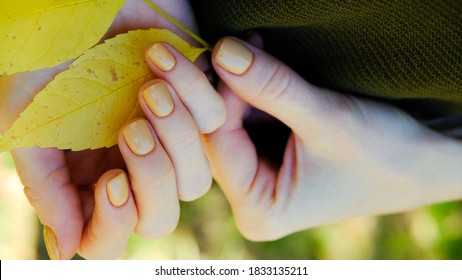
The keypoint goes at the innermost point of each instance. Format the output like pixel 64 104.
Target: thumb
pixel 45 175
pixel 271 86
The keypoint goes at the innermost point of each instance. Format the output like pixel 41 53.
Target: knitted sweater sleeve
pixel 407 52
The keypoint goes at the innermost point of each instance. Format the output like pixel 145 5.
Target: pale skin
pixel 345 158
pixel 69 189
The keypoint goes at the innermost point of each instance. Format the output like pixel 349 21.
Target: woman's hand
pixel 86 200
pixel 346 157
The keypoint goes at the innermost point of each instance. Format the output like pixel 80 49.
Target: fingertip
pixel 154 189
pixel 51 243
pixel 197 188
pixel 232 55
pixel 161 57
pixel 155 98
pixel 113 198
pixel 61 243
pixel 136 138
pixel 186 81
pixel 113 219
pixel 271 86
pixel 117 190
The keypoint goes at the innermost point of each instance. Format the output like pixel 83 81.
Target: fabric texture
pixel 407 52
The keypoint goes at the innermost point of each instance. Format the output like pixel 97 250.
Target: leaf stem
pixel 177 23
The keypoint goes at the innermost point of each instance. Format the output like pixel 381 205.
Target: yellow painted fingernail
pixel 138 137
pixel 162 57
pixel 233 56
pixel 117 190
pixel 51 243
pixel 159 100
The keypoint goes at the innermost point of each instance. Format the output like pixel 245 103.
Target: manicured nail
pixel 139 137
pixel 233 56
pixel 51 243
pixel 117 190
pixel 162 57
pixel 159 100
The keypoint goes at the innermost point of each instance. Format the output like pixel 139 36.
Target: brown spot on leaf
pixel 114 76
pixel 90 71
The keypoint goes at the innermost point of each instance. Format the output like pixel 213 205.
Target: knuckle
pixel 34 200
pixel 276 85
pixel 203 102
pixel 183 139
pixel 164 225
pixel 212 120
pixel 149 186
pixel 127 223
pixel 192 86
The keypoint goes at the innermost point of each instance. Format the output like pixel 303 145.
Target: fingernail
pixel 233 56
pixel 51 243
pixel 162 57
pixel 117 190
pixel 139 138
pixel 159 100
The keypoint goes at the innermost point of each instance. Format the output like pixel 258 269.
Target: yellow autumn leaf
pixel 85 106
pixel 45 33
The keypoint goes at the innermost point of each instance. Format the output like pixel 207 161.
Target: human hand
pixel 85 199
pixel 346 157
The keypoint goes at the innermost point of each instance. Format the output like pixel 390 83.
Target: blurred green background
pixel 207 231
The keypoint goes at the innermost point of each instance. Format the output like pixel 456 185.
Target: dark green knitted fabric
pixel 408 51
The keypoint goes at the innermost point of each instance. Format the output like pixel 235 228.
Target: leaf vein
pixel 75 109
pixel 48 9
pixel 53 40
pixel 19 49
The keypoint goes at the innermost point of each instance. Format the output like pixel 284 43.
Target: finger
pixel 271 86
pixel 248 183
pixel 180 137
pixel 235 163
pixel 152 178
pixel 46 178
pixel 191 85
pixel 113 219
